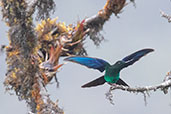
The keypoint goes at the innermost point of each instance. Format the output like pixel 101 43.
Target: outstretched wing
pixel 96 82
pixel 89 62
pixel 131 59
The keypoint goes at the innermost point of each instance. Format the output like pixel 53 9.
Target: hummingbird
pixel 112 72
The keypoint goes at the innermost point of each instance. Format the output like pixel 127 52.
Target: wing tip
pixel 83 86
pixel 69 58
pixel 147 50
pixel 150 49
pixel 66 59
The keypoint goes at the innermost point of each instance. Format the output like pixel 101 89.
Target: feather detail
pixel 96 82
pixel 131 59
pixel 89 62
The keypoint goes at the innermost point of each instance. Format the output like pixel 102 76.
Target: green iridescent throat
pixel 112 73
pixel 112 78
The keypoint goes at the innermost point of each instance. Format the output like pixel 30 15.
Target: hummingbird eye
pixel 119 62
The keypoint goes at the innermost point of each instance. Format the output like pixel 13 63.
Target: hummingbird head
pixel 119 64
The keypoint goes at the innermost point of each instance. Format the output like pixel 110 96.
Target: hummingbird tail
pixel 96 82
pixel 121 82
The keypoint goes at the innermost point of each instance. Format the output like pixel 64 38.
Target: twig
pixel 168 17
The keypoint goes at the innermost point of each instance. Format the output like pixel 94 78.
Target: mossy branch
pixel 23 73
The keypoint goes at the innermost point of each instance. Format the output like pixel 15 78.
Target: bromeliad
pixel 51 65
pixel 62 41
pixel 112 72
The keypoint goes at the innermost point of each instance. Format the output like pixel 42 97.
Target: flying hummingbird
pixel 112 72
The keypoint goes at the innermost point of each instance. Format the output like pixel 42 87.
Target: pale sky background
pixel 137 28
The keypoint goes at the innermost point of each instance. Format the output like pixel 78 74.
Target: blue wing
pixel 131 59
pixel 89 62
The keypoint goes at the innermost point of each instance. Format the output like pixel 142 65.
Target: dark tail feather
pixel 96 82
pixel 121 82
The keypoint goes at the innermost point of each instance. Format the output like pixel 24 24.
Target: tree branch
pixel 95 23
pixel 23 73
pixel 33 53
pixel 164 86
